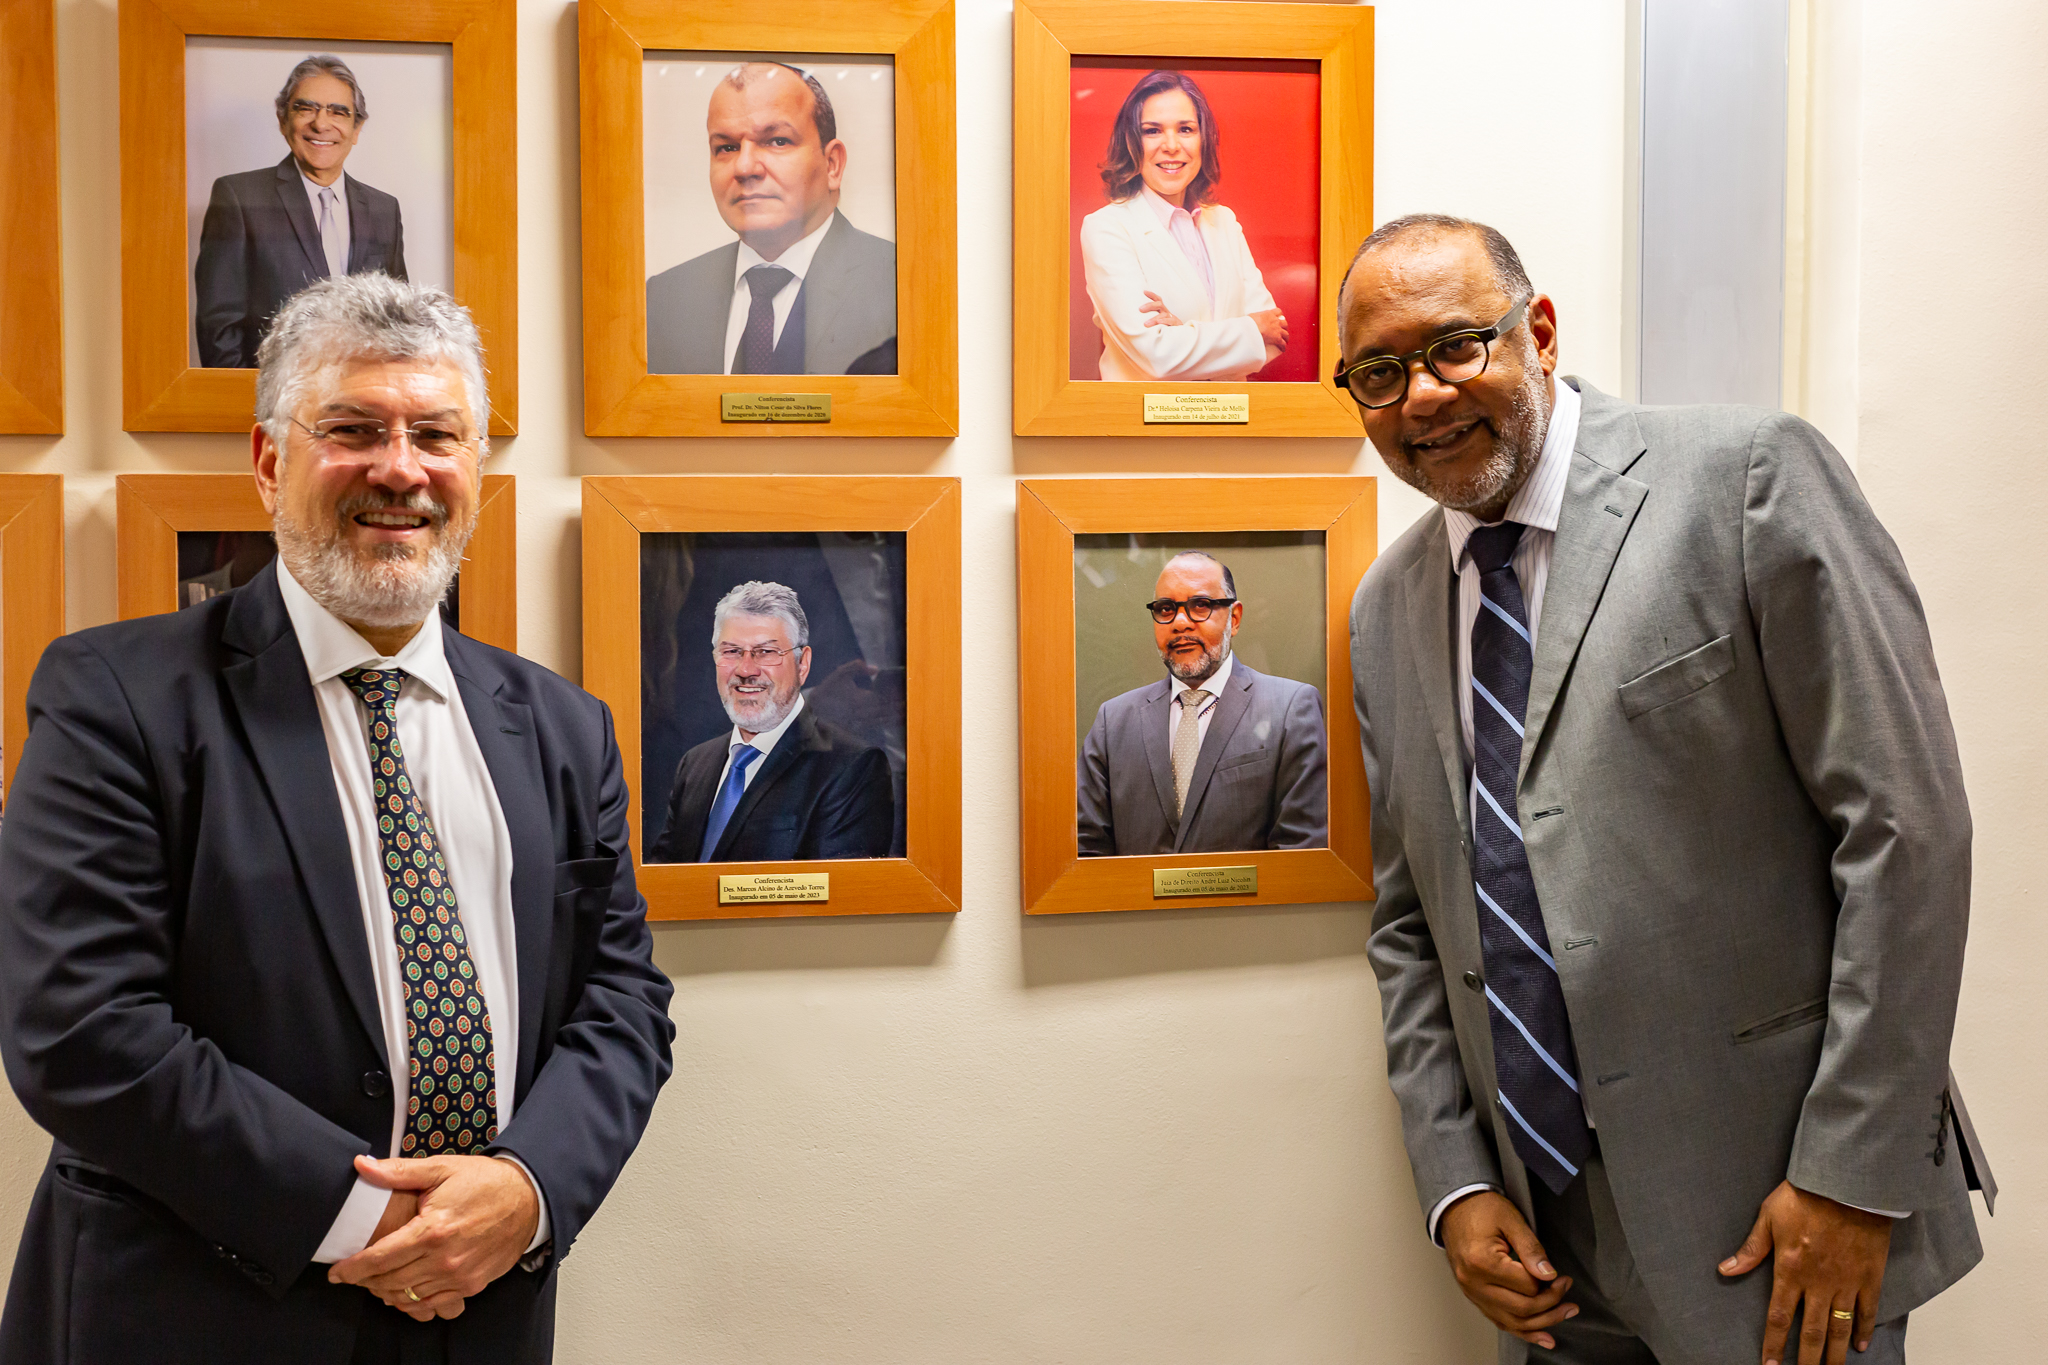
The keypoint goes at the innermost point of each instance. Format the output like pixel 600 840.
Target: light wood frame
pixel 617 510
pixel 620 398
pixel 31 257
pixel 1050 513
pixel 31 592
pixel 1049 34
pixel 151 509
pixel 160 389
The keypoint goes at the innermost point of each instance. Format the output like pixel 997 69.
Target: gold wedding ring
pixel 1844 1314
pixel 410 1295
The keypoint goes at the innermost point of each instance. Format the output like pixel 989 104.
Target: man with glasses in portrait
pixel 269 233
pixel 1215 756
pixel 782 783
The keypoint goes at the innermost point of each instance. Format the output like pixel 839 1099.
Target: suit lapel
pixel 821 298
pixel 1155 238
pixel 292 194
pixel 1153 723
pixel 1432 632
pixel 700 788
pixel 360 235
pixel 272 694
pixel 799 737
pixel 1230 709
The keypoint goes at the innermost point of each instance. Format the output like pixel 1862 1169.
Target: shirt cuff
pixel 359 1216
pixel 541 1229
pixel 1453 1197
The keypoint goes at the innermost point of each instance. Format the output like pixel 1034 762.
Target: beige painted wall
pixel 1166 1139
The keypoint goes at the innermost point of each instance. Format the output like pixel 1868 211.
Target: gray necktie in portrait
pixel 332 240
pixel 1187 745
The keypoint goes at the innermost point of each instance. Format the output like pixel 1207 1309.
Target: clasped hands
pixel 453 1224
pixel 1825 1255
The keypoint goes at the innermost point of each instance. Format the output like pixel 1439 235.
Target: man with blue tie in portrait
pixel 269 233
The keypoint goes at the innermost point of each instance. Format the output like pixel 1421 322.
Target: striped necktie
pixel 1533 1059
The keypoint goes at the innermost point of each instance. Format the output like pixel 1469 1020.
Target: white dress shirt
pixel 765 742
pixel 796 260
pixel 455 789
pixel 340 188
pixel 1213 686
pixel 1181 224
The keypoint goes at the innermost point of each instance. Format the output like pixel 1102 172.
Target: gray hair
pixel 1508 274
pixel 320 64
pixel 363 317
pixel 755 598
pixel 822 117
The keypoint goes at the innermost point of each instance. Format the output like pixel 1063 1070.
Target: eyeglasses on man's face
pixel 1380 381
pixel 732 656
pixel 309 108
pixel 1164 609
pixel 434 442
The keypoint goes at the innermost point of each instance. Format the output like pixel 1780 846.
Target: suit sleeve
pixel 856 814
pixel 220 281
pixel 1257 298
pixel 1850 667
pixel 1192 350
pixel 1094 823
pixel 1448 1146
pixel 89 921
pixel 590 1100
pixel 1302 785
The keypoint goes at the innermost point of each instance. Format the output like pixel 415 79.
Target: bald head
pixel 1418 229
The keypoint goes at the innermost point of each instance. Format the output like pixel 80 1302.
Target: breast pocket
pixel 583 893
pixel 1679 678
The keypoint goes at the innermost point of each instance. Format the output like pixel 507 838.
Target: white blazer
pixel 1126 250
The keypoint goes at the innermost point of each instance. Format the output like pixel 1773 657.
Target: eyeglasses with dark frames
pixel 431 441
pixel 307 108
pixel 1380 381
pixel 1199 609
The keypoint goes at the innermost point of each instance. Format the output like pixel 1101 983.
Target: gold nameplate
pixel 1198 407
pixel 1205 881
pixel 775 407
pixel 750 889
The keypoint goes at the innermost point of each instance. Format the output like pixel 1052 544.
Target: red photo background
pixel 1268 125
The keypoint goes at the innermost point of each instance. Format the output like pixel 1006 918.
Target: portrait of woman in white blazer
pixel 1175 290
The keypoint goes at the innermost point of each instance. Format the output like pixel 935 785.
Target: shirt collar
pixel 1540 500
pixel 313 188
pixel 1213 684
pixel 332 647
pixel 766 740
pixel 796 260
pixel 1162 206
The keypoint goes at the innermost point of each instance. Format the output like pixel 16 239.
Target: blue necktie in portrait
pixel 1534 1060
pixel 757 342
pixel 729 793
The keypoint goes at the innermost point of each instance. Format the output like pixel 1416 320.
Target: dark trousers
pixel 388 1337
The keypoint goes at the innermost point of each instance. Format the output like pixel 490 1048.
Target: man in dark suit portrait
pixel 1215 756
pixel 782 783
pixel 1670 843
pixel 270 233
pixel 320 953
pixel 803 291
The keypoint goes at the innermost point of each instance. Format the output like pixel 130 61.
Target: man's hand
pixel 475 1216
pixel 1502 1267
pixel 1828 1255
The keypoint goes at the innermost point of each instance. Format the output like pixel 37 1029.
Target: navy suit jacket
pixel 821 793
pixel 260 244
pixel 186 1000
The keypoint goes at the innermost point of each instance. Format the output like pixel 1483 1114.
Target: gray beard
pixel 777 712
pixel 1196 674
pixel 382 589
pixel 1515 451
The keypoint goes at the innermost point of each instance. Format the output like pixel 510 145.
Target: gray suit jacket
pixel 848 303
pixel 1745 817
pixel 1261 779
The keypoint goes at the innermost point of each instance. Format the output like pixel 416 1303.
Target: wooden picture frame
pixel 151 509
pixel 1049 35
pixel 31 593
pixel 31 255
pixel 1050 513
pixel 617 510
pixel 620 397
pixel 160 389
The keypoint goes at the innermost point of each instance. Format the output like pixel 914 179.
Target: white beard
pixel 774 711
pixel 397 586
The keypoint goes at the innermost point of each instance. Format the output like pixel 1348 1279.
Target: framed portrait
pixel 182 538
pixel 1191 741
pixel 31 287
pixel 1191 178
pixel 31 598
pixel 782 660
pixel 768 219
pixel 277 145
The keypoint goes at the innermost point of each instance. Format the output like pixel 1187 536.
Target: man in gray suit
pixel 802 291
pixel 1670 843
pixel 1214 757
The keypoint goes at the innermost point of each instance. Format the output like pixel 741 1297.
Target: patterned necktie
pixel 1187 745
pixel 1533 1057
pixel 454 1104
pixel 729 794
pixel 332 243
pixel 757 342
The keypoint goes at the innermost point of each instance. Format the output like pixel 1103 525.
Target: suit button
pixel 1473 983
pixel 256 1274
pixel 376 1084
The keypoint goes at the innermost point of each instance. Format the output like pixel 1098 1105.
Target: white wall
pixel 1165 1139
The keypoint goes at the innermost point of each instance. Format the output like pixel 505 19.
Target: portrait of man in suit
pixel 1215 756
pixel 801 289
pixel 269 233
pixel 782 783
pixel 1670 843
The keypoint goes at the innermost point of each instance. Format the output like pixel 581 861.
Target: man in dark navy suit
pixel 320 953
pixel 782 784
pixel 269 233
